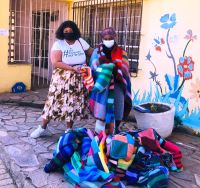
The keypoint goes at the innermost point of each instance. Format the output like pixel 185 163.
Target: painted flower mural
pixel 185 67
pixel 190 36
pixel 168 21
pixel 186 64
pixel 154 73
pixel 182 73
pixel 158 43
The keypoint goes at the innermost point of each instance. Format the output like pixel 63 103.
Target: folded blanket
pixel 87 77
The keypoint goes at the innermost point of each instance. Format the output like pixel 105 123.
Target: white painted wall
pixel 187 14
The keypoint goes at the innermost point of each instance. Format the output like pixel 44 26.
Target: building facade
pixel 27 31
pixel 161 37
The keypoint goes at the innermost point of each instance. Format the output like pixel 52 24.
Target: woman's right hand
pixel 76 69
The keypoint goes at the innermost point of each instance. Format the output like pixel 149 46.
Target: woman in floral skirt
pixel 66 97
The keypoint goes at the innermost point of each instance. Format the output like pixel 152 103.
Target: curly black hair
pixel 72 25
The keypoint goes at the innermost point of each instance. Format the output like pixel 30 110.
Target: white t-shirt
pixel 72 54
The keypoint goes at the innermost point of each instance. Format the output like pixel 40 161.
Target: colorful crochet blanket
pixel 140 157
pixel 102 102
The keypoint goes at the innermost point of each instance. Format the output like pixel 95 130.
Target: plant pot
pixel 159 116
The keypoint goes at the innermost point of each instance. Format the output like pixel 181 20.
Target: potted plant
pixel 159 116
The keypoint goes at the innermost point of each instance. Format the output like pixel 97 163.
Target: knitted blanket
pixel 102 103
pixel 151 140
pixel 86 159
pixel 87 77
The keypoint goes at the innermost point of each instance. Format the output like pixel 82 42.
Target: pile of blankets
pixel 138 157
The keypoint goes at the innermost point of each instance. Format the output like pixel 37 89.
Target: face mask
pixel 108 43
pixel 69 36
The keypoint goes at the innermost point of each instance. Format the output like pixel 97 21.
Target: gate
pixel 124 16
pixel 46 18
pixel 32 33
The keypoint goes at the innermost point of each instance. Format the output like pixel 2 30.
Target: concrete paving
pixel 23 158
pixel 6 180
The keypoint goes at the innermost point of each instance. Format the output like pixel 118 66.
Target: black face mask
pixel 69 36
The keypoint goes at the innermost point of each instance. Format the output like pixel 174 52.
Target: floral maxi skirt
pixel 67 97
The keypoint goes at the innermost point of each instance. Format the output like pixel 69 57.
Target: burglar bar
pixel 32 26
pixel 92 16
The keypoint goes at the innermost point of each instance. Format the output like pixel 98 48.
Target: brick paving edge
pixel 22 103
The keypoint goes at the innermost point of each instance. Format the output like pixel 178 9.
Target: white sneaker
pixel 40 132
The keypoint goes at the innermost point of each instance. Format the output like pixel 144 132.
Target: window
pixel 19 35
pixel 32 26
pixel 125 16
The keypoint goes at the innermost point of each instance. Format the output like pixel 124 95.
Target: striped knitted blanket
pixel 86 159
pixel 102 103
pixel 87 77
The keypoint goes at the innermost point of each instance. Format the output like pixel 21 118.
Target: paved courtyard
pixel 22 158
